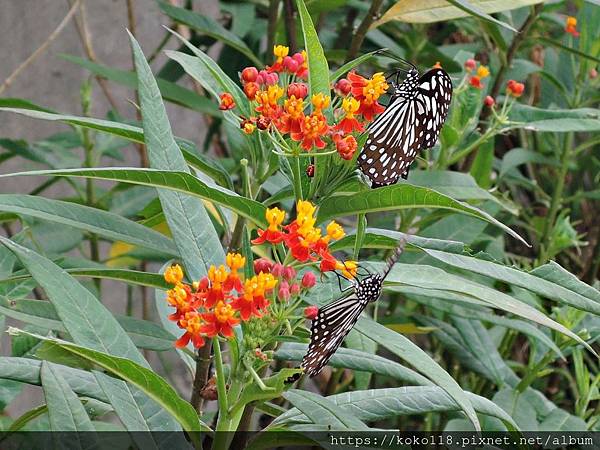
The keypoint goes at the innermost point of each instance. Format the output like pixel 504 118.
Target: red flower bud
pixel 295 289
pixel 310 171
pixel 310 312
pixel 262 123
pixel 289 273
pixel 277 270
pixel 284 291
pixel 309 280
pixel 227 101
pixel 489 101
pixel 298 90
pixel 342 87
pixel 249 74
pixel 470 64
pixel 514 88
pixel 203 284
pixel 290 64
pixel 593 73
pixel 250 89
pixel 262 265
pixel 299 58
pixel 475 81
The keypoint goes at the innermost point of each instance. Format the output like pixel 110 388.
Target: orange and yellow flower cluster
pixel 280 99
pixel 571 26
pixel 305 241
pixel 222 299
pixel 478 73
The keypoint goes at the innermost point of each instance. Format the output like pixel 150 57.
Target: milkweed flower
pixel 308 280
pixel 272 234
pixel 514 88
pixel 312 129
pixel 192 323
pixel 219 321
pixel 174 274
pixel 342 87
pixel 310 312
pixel 571 26
pixel 489 101
pixel 227 101
pixel 249 74
pixel 367 92
pixel 345 146
pixel 349 123
pixel 320 102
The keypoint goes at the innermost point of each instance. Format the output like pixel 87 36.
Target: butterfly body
pixel 411 122
pixel 335 320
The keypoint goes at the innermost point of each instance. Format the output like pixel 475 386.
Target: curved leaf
pixel 356 360
pixel 379 404
pixel 65 411
pixel 132 133
pixel 173 180
pixel 204 25
pixel 400 196
pixel 194 235
pixel 318 69
pixel 103 223
pixel 143 378
pixel 428 11
pixel 320 410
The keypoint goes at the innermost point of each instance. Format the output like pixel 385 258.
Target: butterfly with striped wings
pixel 411 122
pixel 335 320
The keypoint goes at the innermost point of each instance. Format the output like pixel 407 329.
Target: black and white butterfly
pixel 411 122
pixel 335 320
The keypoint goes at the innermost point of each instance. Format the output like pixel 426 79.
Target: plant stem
pixel 290 26
pixel 510 54
pixel 362 29
pixel 556 197
pixel 201 375
pixel 221 387
pixel 272 24
pixel 297 181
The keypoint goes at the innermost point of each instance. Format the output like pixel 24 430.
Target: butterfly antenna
pixel 395 256
pixel 387 53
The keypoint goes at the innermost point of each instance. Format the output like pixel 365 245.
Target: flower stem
pixel 297 181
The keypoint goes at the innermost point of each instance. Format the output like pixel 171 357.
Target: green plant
pixel 485 332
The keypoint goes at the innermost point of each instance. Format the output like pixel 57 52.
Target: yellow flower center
pixel 275 217
pixel 223 312
pixel 235 261
pixel 294 106
pixel 350 105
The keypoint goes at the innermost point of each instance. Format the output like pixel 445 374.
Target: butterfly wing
pixel 411 122
pixel 328 330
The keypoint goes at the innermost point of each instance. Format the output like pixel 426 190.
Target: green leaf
pixel 428 277
pixel 273 388
pixel 339 73
pixel 477 12
pixel 518 156
pixel 429 11
pixel 572 50
pixel 134 277
pixel 208 73
pixel 561 125
pixel 380 404
pixel 143 333
pixel 388 239
pixel 123 401
pixel 174 180
pixel 132 133
pixel 410 352
pixel 400 196
pixel 204 25
pixel 171 92
pixel 195 237
pixel 481 169
pixel 103 223
pixel 356 360
pixel 27 370
pixel 143 378
pixel 541 280
pixel 323 412
pixel 65 411
pixel 87 321
pixel 318 69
